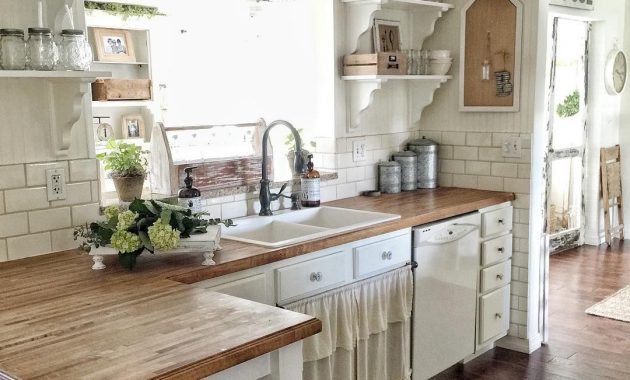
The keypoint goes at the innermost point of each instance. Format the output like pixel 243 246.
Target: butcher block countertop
pixel 60 319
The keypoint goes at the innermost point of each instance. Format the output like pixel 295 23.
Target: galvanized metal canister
pixel 389 177
pixel 409 168
pixel 427 153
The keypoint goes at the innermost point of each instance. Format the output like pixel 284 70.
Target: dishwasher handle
pixel 451 234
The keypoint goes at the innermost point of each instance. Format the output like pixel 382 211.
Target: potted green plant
pixel 127 166
pixel 149 225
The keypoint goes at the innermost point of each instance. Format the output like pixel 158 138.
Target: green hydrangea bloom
pixel 163 236
pixel 125 220
pixel 111 212
pixel 125 242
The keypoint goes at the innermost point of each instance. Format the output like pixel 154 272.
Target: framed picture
pixel 581 4
pixel 113 45
pixel 386 36
pixel 133 127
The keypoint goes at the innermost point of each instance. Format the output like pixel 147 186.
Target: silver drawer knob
pixel 387 255
pixel 498 316
pixel 499 277
pixel 316 277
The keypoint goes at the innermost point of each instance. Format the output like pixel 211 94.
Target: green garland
pixel 570 106
pixel 124 10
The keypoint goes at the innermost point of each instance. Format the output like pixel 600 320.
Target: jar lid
pixel 406 153
pixel 389 164
pixel 11 32
pixel 72 32
pixel 423 142
pixel 39 31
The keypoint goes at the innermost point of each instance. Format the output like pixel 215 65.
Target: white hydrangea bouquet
pixel 147 225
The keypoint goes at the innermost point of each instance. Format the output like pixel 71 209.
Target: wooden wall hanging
pixel 490 57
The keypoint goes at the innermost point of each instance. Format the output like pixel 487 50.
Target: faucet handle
pixel 282 188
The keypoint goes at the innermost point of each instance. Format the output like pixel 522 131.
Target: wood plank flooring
pixel 581 346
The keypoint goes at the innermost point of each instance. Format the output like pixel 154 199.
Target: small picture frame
pixel 386 36
pixel 133 127
pixel 113 45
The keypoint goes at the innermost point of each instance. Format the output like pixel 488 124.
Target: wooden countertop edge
pixel 250 350
pixel 279 254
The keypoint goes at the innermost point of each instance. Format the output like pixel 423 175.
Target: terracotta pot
pixel 128 188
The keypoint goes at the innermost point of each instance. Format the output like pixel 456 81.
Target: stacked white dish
pixel 440 62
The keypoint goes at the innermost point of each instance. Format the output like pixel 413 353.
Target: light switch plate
pixel 511 147
pixel 359 148
pixel 56 184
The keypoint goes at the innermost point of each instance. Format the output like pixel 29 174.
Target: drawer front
pixel 494 313
pixel 309 276
pixel 497 221
pixel 495 250
pixel 496 276
pixel 382 255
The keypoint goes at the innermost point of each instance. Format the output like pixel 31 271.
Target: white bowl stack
pixel 440 62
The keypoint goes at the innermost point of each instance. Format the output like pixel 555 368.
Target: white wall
pixel 624 129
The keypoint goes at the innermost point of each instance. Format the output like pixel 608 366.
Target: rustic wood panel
pixel 497 18
pixel 227 173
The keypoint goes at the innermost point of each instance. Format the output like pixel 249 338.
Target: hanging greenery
pixel 124 10
pixel 570 106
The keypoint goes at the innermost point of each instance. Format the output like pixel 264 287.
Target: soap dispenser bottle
pixel 310 185
pixel 190 197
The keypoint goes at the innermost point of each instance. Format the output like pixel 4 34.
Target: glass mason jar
pixel 12 49
pixel 41 49
pixel 74 51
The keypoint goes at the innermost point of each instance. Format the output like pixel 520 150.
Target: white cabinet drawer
pixel 310 276
pixel 375 257
pixel 494 314
pixel 497 221
pixel 496 276
pixel 495 250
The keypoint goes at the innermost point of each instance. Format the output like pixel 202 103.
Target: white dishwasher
pixel 445 292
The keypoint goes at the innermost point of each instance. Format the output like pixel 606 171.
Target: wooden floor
pixel 581 346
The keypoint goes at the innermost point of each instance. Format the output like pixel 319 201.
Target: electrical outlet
pixel 56 184
pixel 359 150
pixel 511 147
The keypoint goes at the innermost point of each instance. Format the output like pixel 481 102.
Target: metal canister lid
pixel 389 164
pixel 39 31
pixel 404 154
pixel 11 32
pixel 72 32
pixel 423 144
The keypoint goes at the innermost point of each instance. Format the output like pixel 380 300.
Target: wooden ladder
pixel 610 163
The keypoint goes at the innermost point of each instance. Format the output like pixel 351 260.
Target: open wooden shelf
pixel 121 103
pixel 33 74
pixel 119 63
pixel 404 4
pixel 441 78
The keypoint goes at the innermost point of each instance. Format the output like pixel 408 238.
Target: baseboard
pixel 480 351
pixel 526 346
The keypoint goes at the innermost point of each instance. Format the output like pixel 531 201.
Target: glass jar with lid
pixel 41 49
pixel 74 51
pixel 12 49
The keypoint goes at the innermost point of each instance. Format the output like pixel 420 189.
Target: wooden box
pixel 121 89
pixel 375 64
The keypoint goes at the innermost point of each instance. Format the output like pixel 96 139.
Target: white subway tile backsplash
pixel 83 170
pixel 373 143
pixel 213 210
pixel 76 193
pixel 523 274
pixel 13 224
pixel 513 331
pixel 96 191
pixel 518 317
pixel 491 154
pixel 26 199
pixel 63 240
pixel 341 145
pixel 36 173
pixel 478 139
pixel 381 155
pixel 520 259
pixel 501 169
pixel 324 145
pixel 432 135
pixel 445 152
pixel 366 185
pixel 519 288
pixel 477 168
pixel 1 202
pixel 522 331
pixel 490 183
pixel 465 153
pixel 516 184
pixel 3 250
pixel 235 209
pixel 465 181
pixel 445 179
pixel 328 193
pixel 355 174
pixel 499 138
pixel 453 166
pixel 344 160
pixel 29 245
pixel 524 170
pixel 12 177
pixel 347 190
pixel 51 219
pixel 454 138
pixel 85 214
pixel 521 201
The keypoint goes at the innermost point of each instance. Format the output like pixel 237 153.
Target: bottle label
pixel 194 204
pixel 310 189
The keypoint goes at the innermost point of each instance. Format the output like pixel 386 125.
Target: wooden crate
pixel 121 89
pixel 375 64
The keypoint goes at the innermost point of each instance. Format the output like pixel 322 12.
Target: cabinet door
pixel 494 314
pixel 253 288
